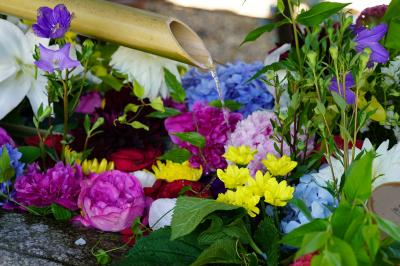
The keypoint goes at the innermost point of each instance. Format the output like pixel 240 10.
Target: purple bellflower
pixel 369 38
pixel 348 83
pixel 52 23
pixel 51 60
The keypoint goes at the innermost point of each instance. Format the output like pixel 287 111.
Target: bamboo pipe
pixel 127 26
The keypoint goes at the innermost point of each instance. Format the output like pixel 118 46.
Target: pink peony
pixel 110 201
pixel 59 184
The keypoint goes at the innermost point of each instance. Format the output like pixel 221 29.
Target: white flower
pixel 146 178
pixel 392 72
pixel 147 69
pixel 17 70
pixel 160 213
pixel 385 166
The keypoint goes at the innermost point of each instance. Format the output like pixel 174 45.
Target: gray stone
pixel 32 240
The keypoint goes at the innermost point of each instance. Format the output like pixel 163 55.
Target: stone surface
pixel 32 240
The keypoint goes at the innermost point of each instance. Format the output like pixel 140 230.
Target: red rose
pixel 164 189
pixel 52 141
pixel 131 159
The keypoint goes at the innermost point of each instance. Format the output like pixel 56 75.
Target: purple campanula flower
pixel 349 83
pixel 51 60
pixel 369 38
pixel 52 23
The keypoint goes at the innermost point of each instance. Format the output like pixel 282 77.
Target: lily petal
pixel 12 92
pixel 37 94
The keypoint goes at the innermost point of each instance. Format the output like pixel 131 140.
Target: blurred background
pixel 223 24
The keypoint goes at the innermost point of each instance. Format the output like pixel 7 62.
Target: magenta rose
pixel 110 201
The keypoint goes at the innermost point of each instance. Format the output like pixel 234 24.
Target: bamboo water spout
pixel 127 26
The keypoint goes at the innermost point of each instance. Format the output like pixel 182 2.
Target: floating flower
pixel 146 68
pixel 278 194
pixel 93 166
pixel 5 138
pixel 369 38
pixel 279 167
pixel 233 176
pixel 318 200
pixel 233 78
pixel 242 197
pixel 59 184
pixel 51 60
pixel 241 155
pixel 348 84
pixel 17 70
pixel 171 171
pixel 110 201
pixel 52 23
pixel 160 214
pixel 209 122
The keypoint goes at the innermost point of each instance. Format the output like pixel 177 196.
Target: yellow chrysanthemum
pixel 71 156
pixel 278 194
pixel 93 166
pixel 279 167
pixel 242 197
pixel 241 155
pixel 234 176
pixel 171 171
pixel 259 184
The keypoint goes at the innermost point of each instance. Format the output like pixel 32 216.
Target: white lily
pixel 385 166
pixel 17 69
pixel 147 69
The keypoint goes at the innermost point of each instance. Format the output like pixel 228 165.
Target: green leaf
pixel 327 258
pixel 131 107
pixel 339 100
pixel 223 251
pixel 157 249
pixel 346 252
pixel 267 230
pixel 343 216
pixel 139 125
pixel 99 122
pixel 190 212
pixel 39 211
pixel 272 67
pixel 157 104
pixel 392 38
pixel 281 6
pixel 319 13
pixel 138 89
pixel 167 113
pixel 112 81
pixel 358 182
pixel 86 124
pixel 230 104
pixel 193 138
pixel 60 213
pixel 29 153
pixel 178 94
pixel 176 155
pixel 102 257
pixel 389 227
pixel 255 34
pixel 298 203
pixel 392 11
pixel 295 238
pixel 6 171
pixel 312 242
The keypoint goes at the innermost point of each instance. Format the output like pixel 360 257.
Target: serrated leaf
pixel 29 153
pixel 168 113
pixel 157 104
pixel 267 230
pixel 60 213
pixel 157 249
pixel 138 89
pixel 176 155
pixel 255 34
pixel 193 138
pixel 223 251
pixel 177 92
pixel 319 13
pixel 190 212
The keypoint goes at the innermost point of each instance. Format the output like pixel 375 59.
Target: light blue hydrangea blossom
pixel 319 201
pixel 233 78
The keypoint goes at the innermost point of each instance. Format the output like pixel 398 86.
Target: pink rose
pixel 110 201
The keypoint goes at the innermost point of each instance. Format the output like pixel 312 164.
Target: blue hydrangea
pixel 233 78
pixel 15 156
pixel 319 201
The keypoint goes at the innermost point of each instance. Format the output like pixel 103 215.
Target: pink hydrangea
pixel 210 123
pixel 110 201
pixel 60 184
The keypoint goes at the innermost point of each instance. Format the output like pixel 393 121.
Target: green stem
pixel 296 38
